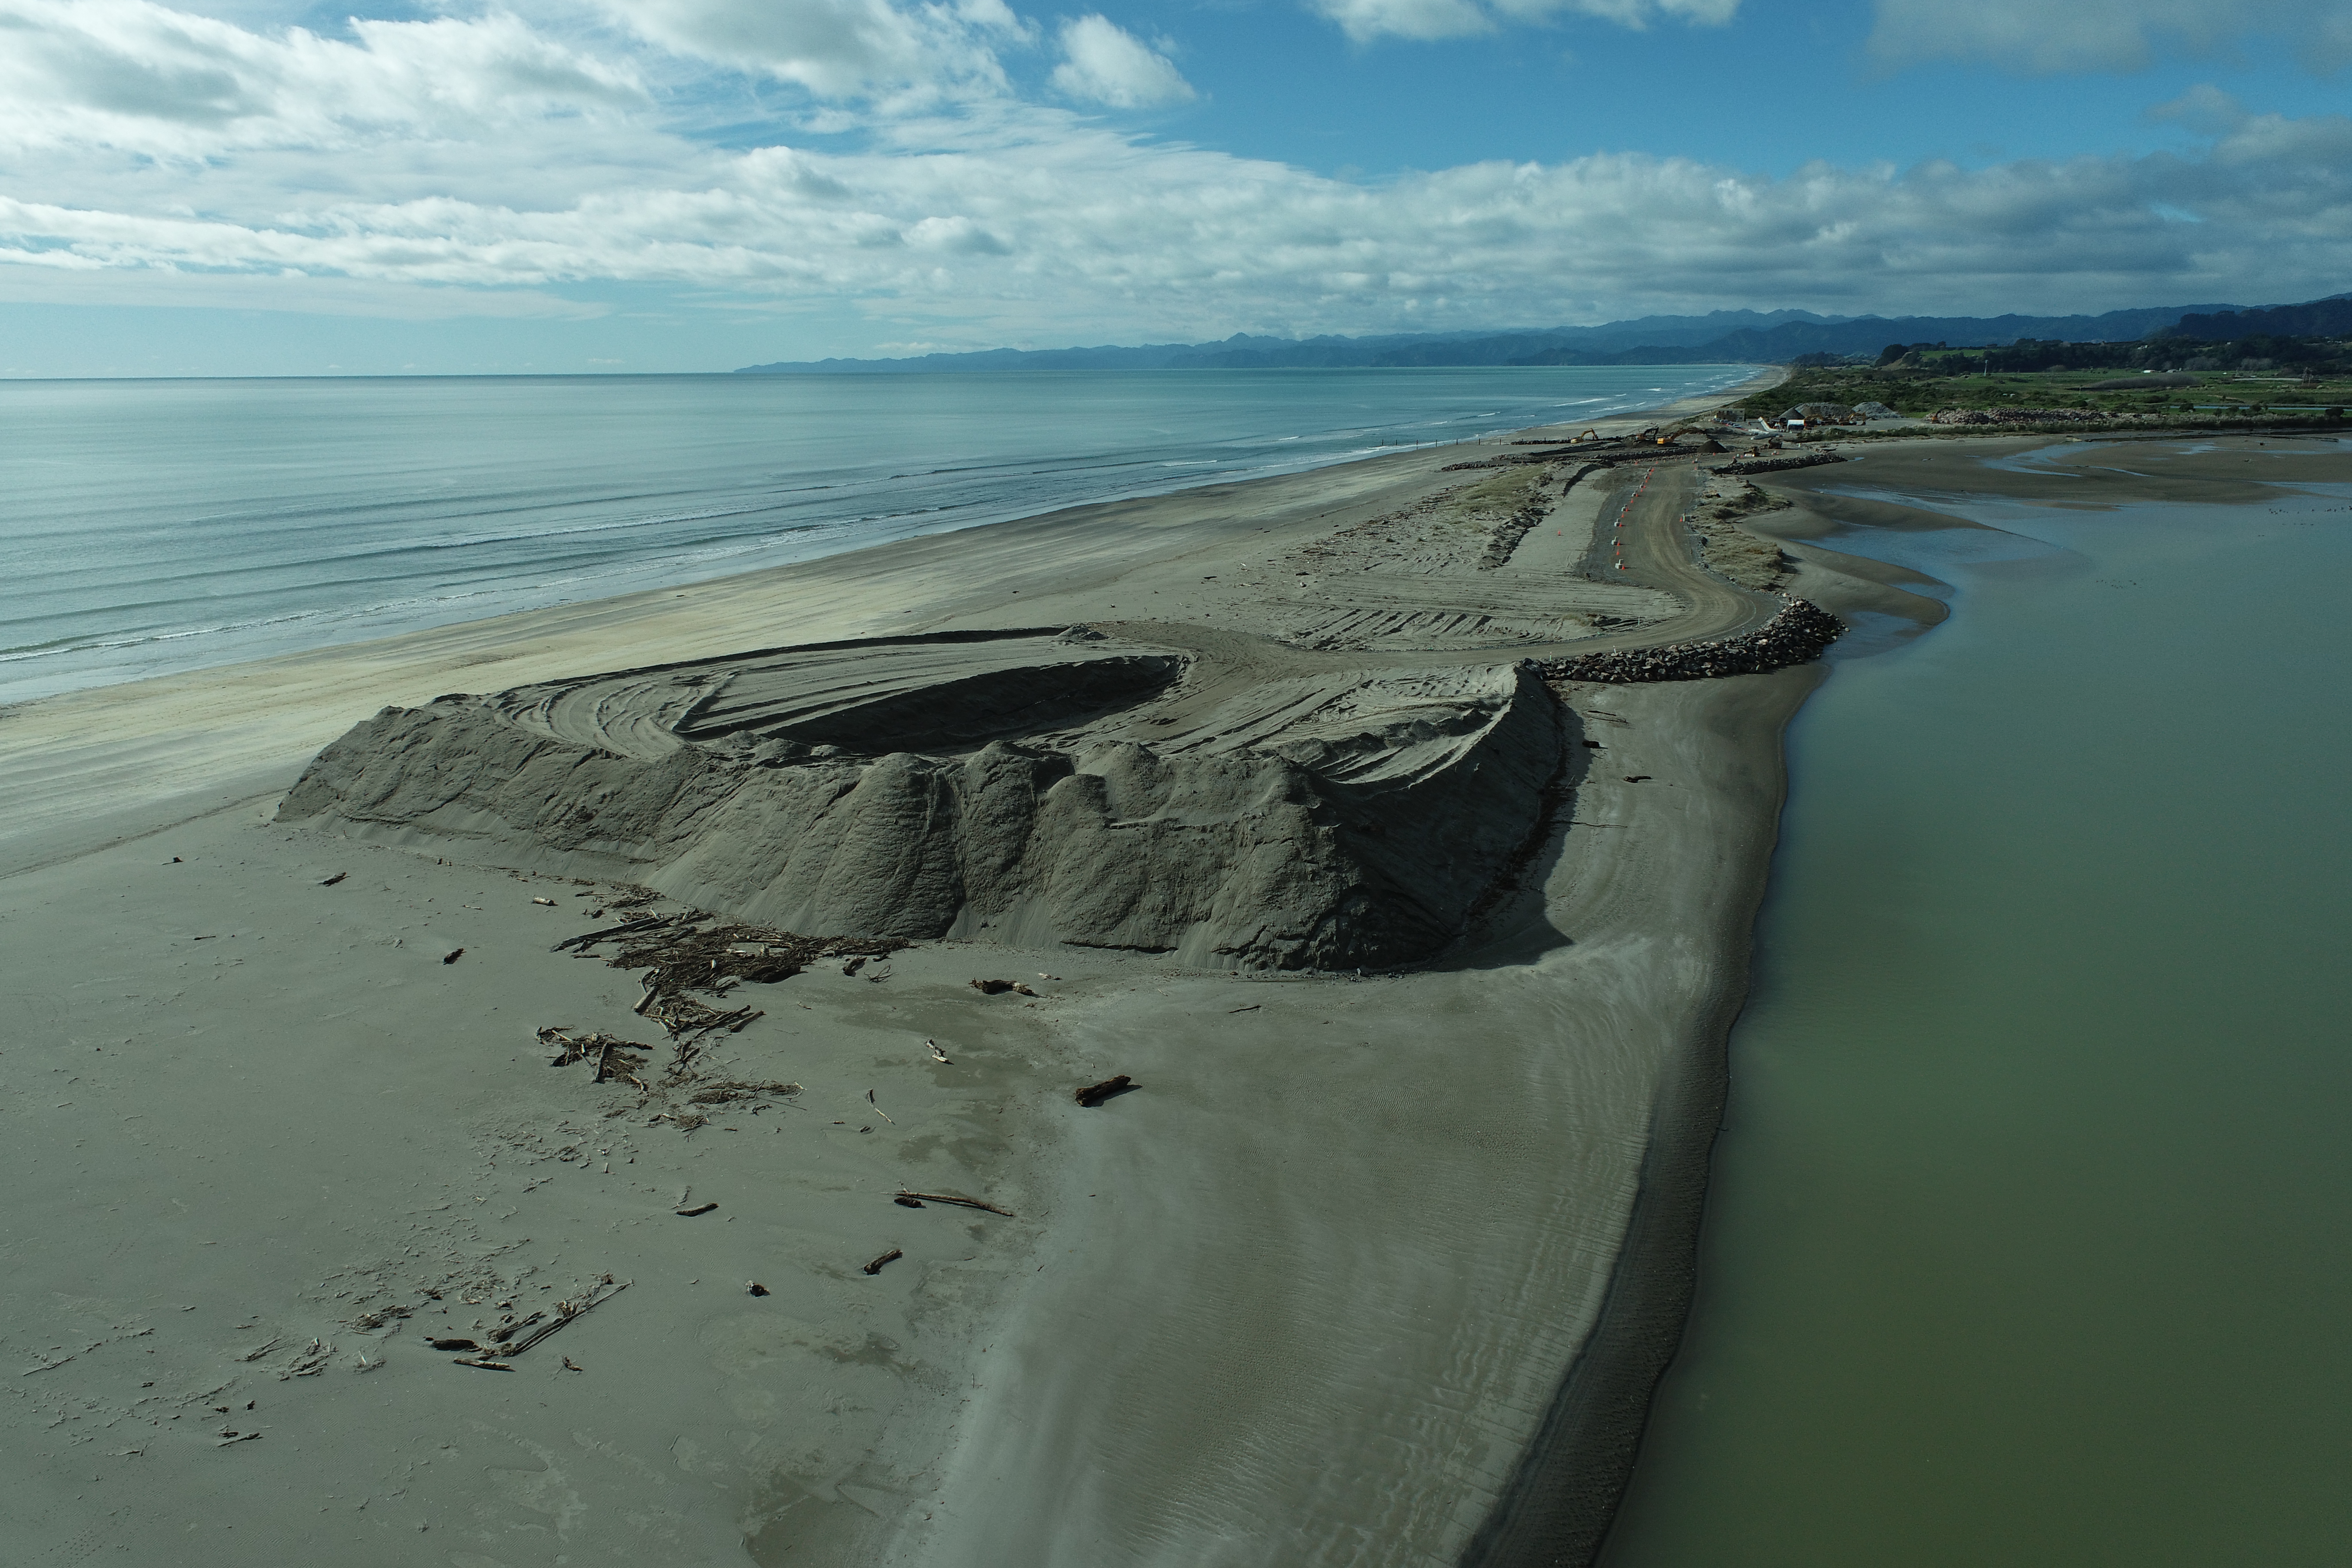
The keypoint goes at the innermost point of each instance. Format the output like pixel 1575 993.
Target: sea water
pixel 2030 1238
pixel 154 526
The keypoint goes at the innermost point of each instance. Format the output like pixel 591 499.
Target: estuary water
pixel 2030 1237
pixel 154 526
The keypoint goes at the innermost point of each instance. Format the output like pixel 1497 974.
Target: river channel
pixel 2029 1236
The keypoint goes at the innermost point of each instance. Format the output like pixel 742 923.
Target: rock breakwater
pixel 1797 634
pixel 1774 465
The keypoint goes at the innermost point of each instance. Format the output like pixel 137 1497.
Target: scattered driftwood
pixel 567 1312
pixel 681 953
pixel 999 988
pixel 937 1055
pixel 754 1288
pixel 482 1362
pixel 453 957
pixel 1251 1008
pixel 453 1344
pixel 1094 1094
pixel 693 1210
pixel 335 879
pixel 854 965
pixel 727 1093
pixel 1637 778
pixel 588 939
pixel 917 1200
pixel 889 1256
pixel 609 1052
pixel 549 902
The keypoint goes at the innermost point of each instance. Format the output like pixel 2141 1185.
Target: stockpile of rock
pixel 1822 414
pixel 2022 417
pixel 1795 636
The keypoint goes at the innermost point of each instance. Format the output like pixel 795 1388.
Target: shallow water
pixel 154 526
pixel 2030 1240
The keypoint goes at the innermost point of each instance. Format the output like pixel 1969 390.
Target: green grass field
pixel 1921 392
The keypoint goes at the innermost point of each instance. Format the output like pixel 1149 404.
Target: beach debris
pixel 1594 746
pixel 609 1052
pixel 917 1200
pixel 589 937
pixel 1251 1008
pixel 999 988
pixel 453 956
pixel 727 1093
pixel 453 1344
pixel 877 1110
pixel 937 1055
pixel 1042 975
pixel 483 1362
pixel 854 965
pixel 310 1362
pixel 231 1439
pixel 335 879
pixel 688 953
pixel 754 1288
pixel 570 1365
pixel 570 1311
pixel 890 1257
pixel 176 860
pixel 1637 778
pixel 700 1208
pixel 1094 1094
pixel 549 902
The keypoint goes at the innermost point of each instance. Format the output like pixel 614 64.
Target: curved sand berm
pixel 1358 1275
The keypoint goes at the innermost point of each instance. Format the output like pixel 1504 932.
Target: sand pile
pixel 989 785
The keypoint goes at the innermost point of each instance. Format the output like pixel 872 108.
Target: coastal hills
pixel 1717 336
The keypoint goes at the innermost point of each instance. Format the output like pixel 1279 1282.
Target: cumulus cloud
pixel 1364 20
pixel 2039 38
pixel 136 76
pixel 455 165
pixel 1085 231
pixel 1103 63
pixel 2204 109
pixel 833 47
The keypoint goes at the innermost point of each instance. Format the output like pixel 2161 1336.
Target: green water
pixel 2030 1241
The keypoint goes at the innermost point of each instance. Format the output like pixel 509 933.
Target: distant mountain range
pixel 2329 317
pixel 1719 337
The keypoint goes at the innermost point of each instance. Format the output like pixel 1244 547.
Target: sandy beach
pixel 1369 1268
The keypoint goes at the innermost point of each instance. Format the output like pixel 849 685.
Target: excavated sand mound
pixel 986 784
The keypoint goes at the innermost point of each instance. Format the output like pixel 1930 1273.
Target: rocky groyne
pixel 1797 634
pixel 1774 465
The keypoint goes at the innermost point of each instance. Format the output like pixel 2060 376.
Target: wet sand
pixel 1308 1295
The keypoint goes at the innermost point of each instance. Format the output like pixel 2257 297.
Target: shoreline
pixel 1612 1007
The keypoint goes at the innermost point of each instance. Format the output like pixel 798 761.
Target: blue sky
pixel 597 185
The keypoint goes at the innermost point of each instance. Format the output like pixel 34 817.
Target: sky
pixel 581 186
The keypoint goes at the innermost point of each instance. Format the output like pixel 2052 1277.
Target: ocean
pixel 149 527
